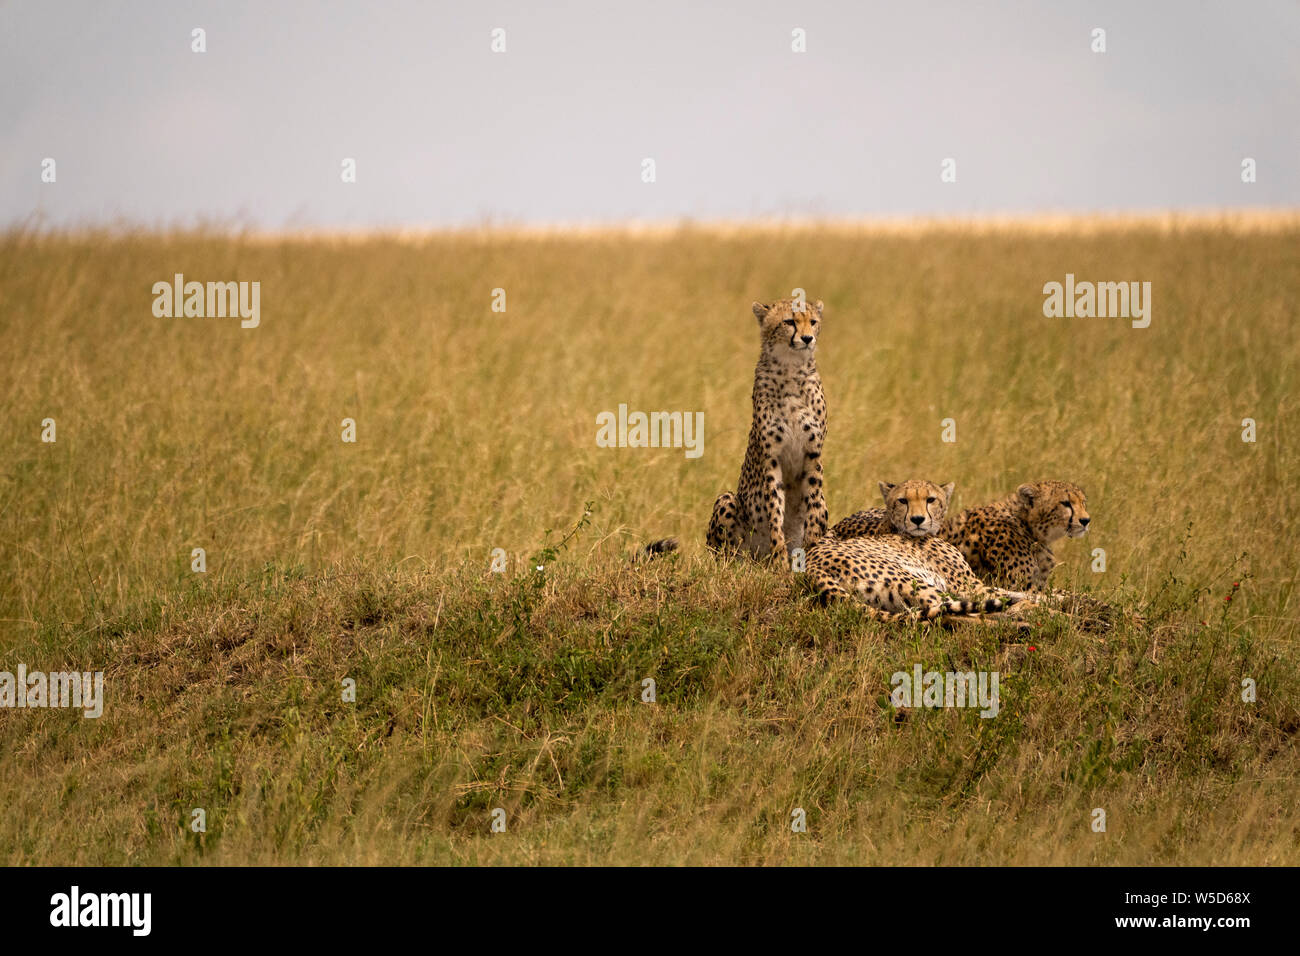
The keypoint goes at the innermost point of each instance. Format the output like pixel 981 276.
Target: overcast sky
pixel 446 132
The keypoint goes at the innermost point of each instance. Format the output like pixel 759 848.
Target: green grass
pixel 522 690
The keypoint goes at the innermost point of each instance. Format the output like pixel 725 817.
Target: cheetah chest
pixel 803 434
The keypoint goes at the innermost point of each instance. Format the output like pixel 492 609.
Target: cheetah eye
pixel 929 501
pixel 902 501
pixel 791 322
pixel 1065 504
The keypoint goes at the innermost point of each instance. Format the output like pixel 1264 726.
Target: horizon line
pixel 1233 220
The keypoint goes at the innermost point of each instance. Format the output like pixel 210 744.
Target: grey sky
pixel 445 132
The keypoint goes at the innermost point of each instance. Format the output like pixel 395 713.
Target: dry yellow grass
pixel 476 430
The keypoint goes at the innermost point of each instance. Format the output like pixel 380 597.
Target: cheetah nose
pixel 807 339
pixel 1084 521
pixel 918 520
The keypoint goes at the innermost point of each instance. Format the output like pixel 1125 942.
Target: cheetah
pixel 877 520
pixel 1009 542
pixel 908 570
pixel 779 504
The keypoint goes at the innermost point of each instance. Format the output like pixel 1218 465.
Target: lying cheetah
pixel 1009 542
pixel 908 569
pixel 876 520
pixel 779 504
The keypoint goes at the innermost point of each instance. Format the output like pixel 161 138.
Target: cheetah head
pixel 1053 510
pixel 789 328
pixel 916 507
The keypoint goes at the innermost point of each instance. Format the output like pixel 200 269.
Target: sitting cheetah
pixel 876 520
pixel 907 569
pixel 1009 542
pixel 779 504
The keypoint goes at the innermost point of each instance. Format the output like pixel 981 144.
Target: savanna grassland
pixel 521 690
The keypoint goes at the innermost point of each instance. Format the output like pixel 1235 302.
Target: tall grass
pixel 476 431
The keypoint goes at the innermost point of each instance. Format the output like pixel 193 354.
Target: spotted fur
pixel 922 504
pixel 779 503
pixel 906 570
pixel 1009 542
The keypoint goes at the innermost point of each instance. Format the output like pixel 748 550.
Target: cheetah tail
pixel 981 604
pixel 655 548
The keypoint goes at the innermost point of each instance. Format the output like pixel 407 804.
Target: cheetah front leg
pixel 793 526
pixel 773 511
pixel 815 517
pixel 1042 570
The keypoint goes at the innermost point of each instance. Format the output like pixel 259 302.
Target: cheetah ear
pixel 760 311
pixel 885 489
pixel 947 490
pixel 819 305
pixel 1026 493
